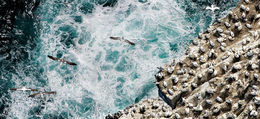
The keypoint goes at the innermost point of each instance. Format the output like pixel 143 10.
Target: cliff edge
pixel 218 77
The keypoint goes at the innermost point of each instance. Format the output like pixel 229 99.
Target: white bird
pixel 212 8
pixel 23 89
pixel 122 39
pixel 255 34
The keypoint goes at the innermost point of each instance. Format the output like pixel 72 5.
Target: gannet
pixel 41 93
pixel 212 8
pixel 122 39
pixel 61 60
pixel 23 89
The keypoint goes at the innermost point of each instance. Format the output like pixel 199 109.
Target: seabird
pixel 41 93
pixel 61 60
pixel 255 34
pixel 212 8
pixel 23 89
pixel 160 69
pixel 122 39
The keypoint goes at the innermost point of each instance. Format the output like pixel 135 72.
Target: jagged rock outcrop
pixel 218 77
pixel 151 108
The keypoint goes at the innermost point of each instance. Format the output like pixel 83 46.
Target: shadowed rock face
pixel 218 77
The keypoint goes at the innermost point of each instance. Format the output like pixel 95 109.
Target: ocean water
pixel 110 75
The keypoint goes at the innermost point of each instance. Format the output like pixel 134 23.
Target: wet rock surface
pixel 218 77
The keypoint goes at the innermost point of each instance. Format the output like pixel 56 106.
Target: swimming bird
pixel 122 39
pixel 61 60
pixel 23 89
pixel 42 93
pixel 212 8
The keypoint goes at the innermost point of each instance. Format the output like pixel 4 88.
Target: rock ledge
pixel 218 77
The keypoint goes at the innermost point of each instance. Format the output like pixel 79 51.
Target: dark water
pixel 110 75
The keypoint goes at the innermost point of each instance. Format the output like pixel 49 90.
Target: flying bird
pixel 122 39
pixel 212 8
pixel 61 60
pixel 42 93
pixel 23 89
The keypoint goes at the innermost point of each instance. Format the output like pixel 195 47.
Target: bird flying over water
pixel 23 89
pixel 212 8
pixel 42 93
pixel 61 60
pixel 122 39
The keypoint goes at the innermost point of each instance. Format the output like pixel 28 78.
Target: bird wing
pixel 33 89
pixel 208 8
pixel 216 8
pixel 131 43
pixel 51 92
pixel 70 63
pixel 67 62
pixel 53 58
pixel 114 38
pixel 33 95
pixel 13 89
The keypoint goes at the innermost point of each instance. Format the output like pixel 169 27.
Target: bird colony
pixel 217 77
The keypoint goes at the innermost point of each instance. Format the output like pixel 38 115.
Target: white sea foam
pixel 75 86
pixel 142 20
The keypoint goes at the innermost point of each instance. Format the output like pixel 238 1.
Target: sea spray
pixel 111 74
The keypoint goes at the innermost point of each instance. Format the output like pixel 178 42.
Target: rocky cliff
pixel 218 77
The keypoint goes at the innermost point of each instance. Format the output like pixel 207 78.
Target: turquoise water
pixel 110 75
